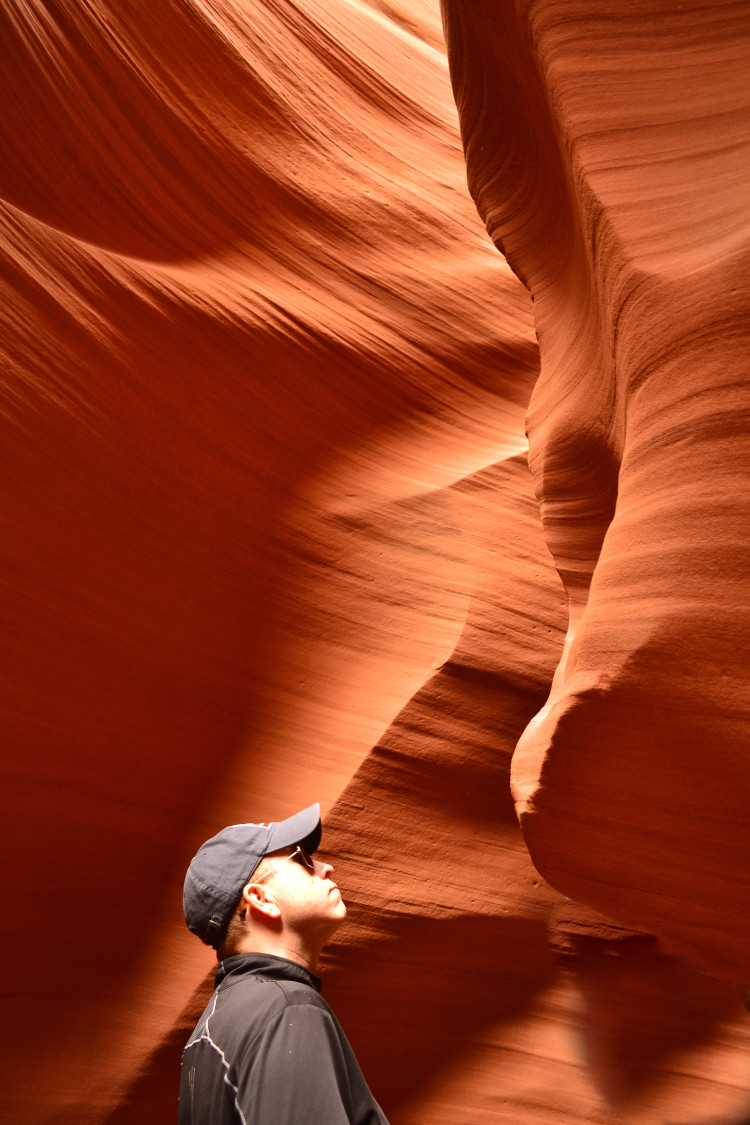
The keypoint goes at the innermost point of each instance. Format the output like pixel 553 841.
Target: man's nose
pixel 322 869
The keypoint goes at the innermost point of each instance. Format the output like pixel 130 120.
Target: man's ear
pixel 260 900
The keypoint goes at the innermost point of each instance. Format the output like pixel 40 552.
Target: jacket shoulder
pixel 240 1011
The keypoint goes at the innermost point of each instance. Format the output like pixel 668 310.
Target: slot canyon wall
pixel 270 536
pixel 608 152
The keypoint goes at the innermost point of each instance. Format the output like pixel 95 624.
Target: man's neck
pixel 282 946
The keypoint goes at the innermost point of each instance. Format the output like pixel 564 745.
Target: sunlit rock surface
pixel 608 151
pixel 269 537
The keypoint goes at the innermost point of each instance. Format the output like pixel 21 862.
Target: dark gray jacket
pixel 269 1051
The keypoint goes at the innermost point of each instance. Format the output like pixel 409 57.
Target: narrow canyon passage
pixel 273 533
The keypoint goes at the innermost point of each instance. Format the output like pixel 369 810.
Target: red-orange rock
pixel 608 153
pixel 250 317
pixel 268 537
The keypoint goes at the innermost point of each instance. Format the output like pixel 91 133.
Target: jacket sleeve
pixel 298 1070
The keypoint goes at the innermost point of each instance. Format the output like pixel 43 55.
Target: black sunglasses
pixel 299 855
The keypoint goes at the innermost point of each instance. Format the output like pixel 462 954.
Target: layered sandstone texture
pixel 269 537
pixel 608 151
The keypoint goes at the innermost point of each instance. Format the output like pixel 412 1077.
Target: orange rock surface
pixel 269 537
pixel 609 152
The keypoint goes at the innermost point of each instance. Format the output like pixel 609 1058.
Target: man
pixel 268 1050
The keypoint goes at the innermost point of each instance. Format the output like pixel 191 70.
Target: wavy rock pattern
pixel 608 152
pixel 251 335
pixel 268 537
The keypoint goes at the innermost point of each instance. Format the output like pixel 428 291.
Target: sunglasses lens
pixel 305 859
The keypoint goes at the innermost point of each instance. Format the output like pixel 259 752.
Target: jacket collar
pixel 265 965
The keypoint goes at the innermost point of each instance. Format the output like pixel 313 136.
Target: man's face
pixel 310 901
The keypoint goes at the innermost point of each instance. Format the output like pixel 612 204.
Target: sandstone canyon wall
pixel 269 537
pixel 608 151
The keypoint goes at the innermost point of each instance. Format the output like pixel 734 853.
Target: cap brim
pixel 303 828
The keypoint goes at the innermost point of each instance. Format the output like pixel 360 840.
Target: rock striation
pixel 268 537
pixel 608 154
pixel 251 335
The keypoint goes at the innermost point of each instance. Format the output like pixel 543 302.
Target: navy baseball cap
pixel 224 864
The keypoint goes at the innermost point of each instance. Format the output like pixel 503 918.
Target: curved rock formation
pixel 268 537
pixel 251 333
pixel 608 153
